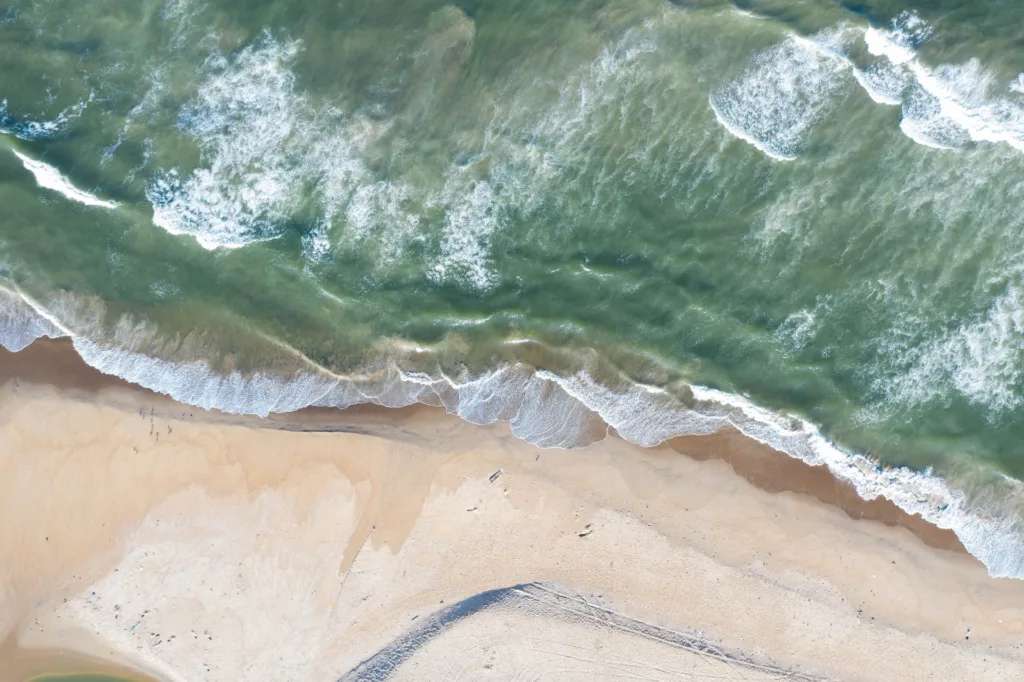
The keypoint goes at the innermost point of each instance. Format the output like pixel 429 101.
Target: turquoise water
pixel 801 218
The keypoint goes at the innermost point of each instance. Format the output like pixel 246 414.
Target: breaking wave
pixel 44 129
pixel 547 409
pixel 50 178
pixel 263 145
pixel 785 90
pixel 947 106
pixel 21 324
pixel 779 97
pixel 266 149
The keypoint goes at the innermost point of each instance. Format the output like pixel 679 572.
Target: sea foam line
pixel 749 139
pixel 49 177
pixel 982 121
pixel 956 117
pixel 551 410
pixel 781 94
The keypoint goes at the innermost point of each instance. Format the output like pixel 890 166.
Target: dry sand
pixel 380 544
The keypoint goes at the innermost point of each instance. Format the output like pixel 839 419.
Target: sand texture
pixel 406 544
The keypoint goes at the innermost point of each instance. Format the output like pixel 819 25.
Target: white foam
pixel 932 132
pixel 898 43
pixel 295 144
pixel 991 121
pixel 924 122
pixel 49 177
pixel 245 115
pixel 786 89
pixel 20 324
pixel 883 83
pixel 263 143
pixel 797 330
pixel 991 535
pixel 472 217
pixel 597 93
pixel 889 45
pixel 36 130
pixel 943 107
pixel 982 360
pixel 196 384
pixel 769 151
pixel 316 244
pixel 522 166
pixel 270 154
pixel 476 209
pixel 377 213
pixel 550 411
pixel 781 94
pixel 176 10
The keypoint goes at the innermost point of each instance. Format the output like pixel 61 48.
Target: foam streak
pixel 49 177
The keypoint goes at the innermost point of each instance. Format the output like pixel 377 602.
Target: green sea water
pixel 802 218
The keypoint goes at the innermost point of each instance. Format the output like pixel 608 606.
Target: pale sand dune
pixel 205 548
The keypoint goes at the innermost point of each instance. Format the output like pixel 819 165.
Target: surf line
pixel 48 177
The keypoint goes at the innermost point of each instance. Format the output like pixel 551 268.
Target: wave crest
pixel 781 94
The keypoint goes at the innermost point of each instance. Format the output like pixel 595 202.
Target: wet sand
pixel 40 664
pixel 195 545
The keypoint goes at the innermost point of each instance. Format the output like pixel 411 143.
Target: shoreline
pixel 54 362
pixel 574 409
pixel 362 499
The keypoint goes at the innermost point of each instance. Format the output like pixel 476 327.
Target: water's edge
pixel 549 410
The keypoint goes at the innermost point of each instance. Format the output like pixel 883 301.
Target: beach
pixel 604 339
pixel 375 543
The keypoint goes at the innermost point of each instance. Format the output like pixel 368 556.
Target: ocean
pixel 801 218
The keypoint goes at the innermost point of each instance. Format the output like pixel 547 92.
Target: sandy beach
pixel 407 544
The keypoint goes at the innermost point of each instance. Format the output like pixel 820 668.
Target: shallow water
pixel 567 214
pixel 60 665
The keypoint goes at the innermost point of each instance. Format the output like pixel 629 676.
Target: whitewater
pixel 547 410
pixel 807 229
